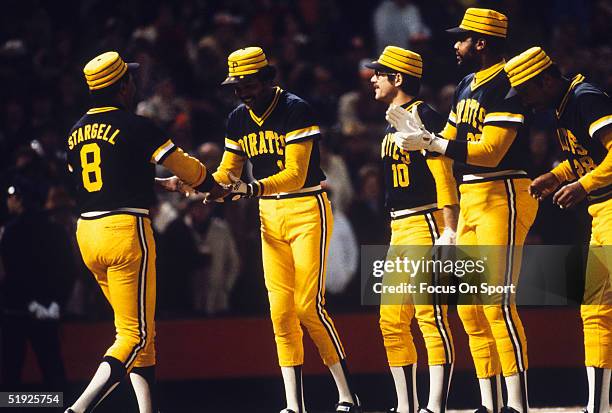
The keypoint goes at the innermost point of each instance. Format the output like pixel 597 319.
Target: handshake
pixel 411 133
pixel 235 190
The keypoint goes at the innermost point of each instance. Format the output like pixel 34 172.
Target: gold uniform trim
pixel 260 120
pixel 93 111
pixel 599 123
pixel 482 77
pixel 575 81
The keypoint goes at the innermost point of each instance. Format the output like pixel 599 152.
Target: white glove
pixel 241 189
pixel 411 134
pixel 448 237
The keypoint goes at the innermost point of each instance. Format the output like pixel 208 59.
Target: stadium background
pixel 221 358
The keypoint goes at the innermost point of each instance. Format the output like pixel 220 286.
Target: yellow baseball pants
pixel 596 311
pixel 395 319
pixel 496 213
pixel 295 234
pixel 120 252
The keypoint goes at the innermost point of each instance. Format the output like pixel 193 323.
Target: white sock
pixel 405 386
pixel 439 383
pixel 599 390
pixel 143 393
pixel 490 393
pixel 294 389
pixel 344 391
pixel 516 385
pixel 95 386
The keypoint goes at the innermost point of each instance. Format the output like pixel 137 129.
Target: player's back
pixel 109 154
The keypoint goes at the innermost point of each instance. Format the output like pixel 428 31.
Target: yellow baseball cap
pixel 244 62
pixel 485 21
pixel 527 65
pixel 105 70
pixel 400 60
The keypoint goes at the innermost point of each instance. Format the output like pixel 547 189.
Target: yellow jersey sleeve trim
pixel 504 117
pixel 601 176
pixel 232 144
pixel 452 118
pixel 302 133
pixel 160 152
pixel 292 178
pixel 563 172
pixel 449 132
pixel 186 167
pixel 231 162
pixel 599 123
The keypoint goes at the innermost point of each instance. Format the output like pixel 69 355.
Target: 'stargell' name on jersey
pixel 262 142
pixel 93 131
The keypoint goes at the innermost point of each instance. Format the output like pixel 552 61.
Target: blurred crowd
pixel 209 256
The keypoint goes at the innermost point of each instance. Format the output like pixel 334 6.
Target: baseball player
pixel 112 155
pixel 584 129
pixel 485 134
pixel 276 131
pixel 418 191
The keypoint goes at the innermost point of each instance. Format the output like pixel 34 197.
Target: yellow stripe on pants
pixel 295 234
pixel 395 319
pixel 120 252
pixel 496 213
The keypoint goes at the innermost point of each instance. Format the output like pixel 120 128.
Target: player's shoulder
pixel 586 89
pixel 239 111
pixel 430 116
pixel 465 82
pixel 292 101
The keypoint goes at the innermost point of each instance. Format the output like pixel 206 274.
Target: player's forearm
pixel 601 176
pixel 230 162
pixel 446 187
pixel 297 158
pixel 563 172
pixel 449 132
pixel 189 170
pixel 488 151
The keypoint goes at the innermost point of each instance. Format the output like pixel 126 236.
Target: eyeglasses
pixel 378 73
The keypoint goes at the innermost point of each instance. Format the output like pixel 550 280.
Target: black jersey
pixel 409 184
pixel 288 119
pixel 112 155
pixel 484 101
pixel 584 111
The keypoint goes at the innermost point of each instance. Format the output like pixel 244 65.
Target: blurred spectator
pixel 398 23
pixel 209 258
pixel 367 213
pixel 343 258
pixel 38 262
pixel 338 182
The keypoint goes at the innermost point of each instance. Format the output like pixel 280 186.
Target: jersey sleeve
pixel 156 144
pixel 301 124
pixel 232 136
pixel 596 112
pixel 505 111
pixel 432 120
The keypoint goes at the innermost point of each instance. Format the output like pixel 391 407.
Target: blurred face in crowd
pixel 384 86
pixel 13 202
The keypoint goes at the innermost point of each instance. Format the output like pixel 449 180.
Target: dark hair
pixel 410 85
pixel 267 73
pixel 108 95
pixel 553 71
pixel 495 45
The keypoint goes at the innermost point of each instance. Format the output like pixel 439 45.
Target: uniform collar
pixel 483 76
pixel 103 109
pixel 575 81
pixel 259 120
pixel 408 105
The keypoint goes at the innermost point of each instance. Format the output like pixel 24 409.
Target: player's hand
pixel 175 184
pixel 569 195
pixel 543 186
pixel 217 193
pixel 240 189
pixel 413 141
pixel 402 120
pixel 448 237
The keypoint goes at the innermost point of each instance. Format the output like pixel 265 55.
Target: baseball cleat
pixel 424 410
pixel 287 411
pixel 481 409
pixel 348 407
pixel 508 409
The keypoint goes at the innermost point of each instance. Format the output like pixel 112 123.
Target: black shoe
pixel 287 411
pixel 392 410
pixel 69 411
pixel 348 407
pixel 424 410
pixel 481 409
pixel 508 409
